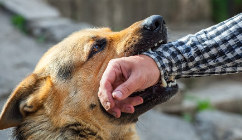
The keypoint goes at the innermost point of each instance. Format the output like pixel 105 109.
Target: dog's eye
pixel 97 47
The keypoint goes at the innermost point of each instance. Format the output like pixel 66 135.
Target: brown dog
pixel 59 99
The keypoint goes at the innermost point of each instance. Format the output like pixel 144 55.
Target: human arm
pixel 216 50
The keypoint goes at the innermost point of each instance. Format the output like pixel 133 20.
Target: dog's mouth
pixel 159 93
pixel 155 46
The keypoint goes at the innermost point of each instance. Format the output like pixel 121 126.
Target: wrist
pixel 152 69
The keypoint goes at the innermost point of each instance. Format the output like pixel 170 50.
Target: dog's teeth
pixel 155 44
pixel 173 84
pixel 163 82
pixel 140 90
pixel 161 41
pixel 169 84
pixel 150 50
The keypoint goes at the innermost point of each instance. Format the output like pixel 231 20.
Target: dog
pixel 59 100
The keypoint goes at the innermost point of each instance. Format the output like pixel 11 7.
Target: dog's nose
pixel 153 23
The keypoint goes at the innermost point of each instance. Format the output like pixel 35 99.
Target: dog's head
pixel 59 99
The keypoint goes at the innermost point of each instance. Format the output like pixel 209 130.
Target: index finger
pixel 106 86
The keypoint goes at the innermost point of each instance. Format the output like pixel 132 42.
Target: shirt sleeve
pixel 216 50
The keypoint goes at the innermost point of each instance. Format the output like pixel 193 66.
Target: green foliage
pixel 220 10
pixel 19 22
pixel 202 104
pixel 117 29
pixel 224 9
pixel 41 39
pixel 190 83
pixel 187 117
pixel 238 2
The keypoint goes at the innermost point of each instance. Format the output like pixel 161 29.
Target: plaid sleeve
pixel 213 51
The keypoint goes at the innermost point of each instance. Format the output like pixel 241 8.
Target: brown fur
pixel 59 99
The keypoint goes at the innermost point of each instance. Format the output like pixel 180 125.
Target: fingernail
pixel 139 101
pixel 107 105
pixel 128 109
pixel 118 94
pixel 114 114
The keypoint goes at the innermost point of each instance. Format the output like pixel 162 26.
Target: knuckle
pixel 113 62
pixel 127 88
pixel 113 65
pixel 100 94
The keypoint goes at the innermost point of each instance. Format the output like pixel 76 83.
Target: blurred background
pixel 208 108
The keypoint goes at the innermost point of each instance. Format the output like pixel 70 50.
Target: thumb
pixel 127 88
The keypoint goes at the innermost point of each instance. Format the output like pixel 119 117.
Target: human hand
pixel 122 77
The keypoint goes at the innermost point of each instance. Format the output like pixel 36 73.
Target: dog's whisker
pixel 143 126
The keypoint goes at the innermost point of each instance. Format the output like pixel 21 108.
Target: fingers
pixel 128 87
pixel 115 111
pixel 126 75
pixel 108 79
pixel 126 106
pixel 106 100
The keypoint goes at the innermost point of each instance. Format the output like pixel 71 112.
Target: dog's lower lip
pixel 144 94
pixel 156 45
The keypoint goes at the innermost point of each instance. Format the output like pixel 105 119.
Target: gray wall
pixel 119 14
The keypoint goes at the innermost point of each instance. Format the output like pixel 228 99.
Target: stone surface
pixel 225 95
pixel 55 29
pixel 37 26
pixel 42 20
pixel 18 56
pixel 58 33
pixel 157 126
pixel 216 125
pixel 31 9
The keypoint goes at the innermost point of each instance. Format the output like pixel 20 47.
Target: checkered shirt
pixel 216 50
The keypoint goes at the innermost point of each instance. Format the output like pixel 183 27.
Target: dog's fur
pixel 59 99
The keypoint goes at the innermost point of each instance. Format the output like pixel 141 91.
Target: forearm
pixel 213 51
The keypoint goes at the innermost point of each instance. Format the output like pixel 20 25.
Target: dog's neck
pixel 41 127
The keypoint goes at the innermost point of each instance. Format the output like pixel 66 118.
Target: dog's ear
pixel 28 97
